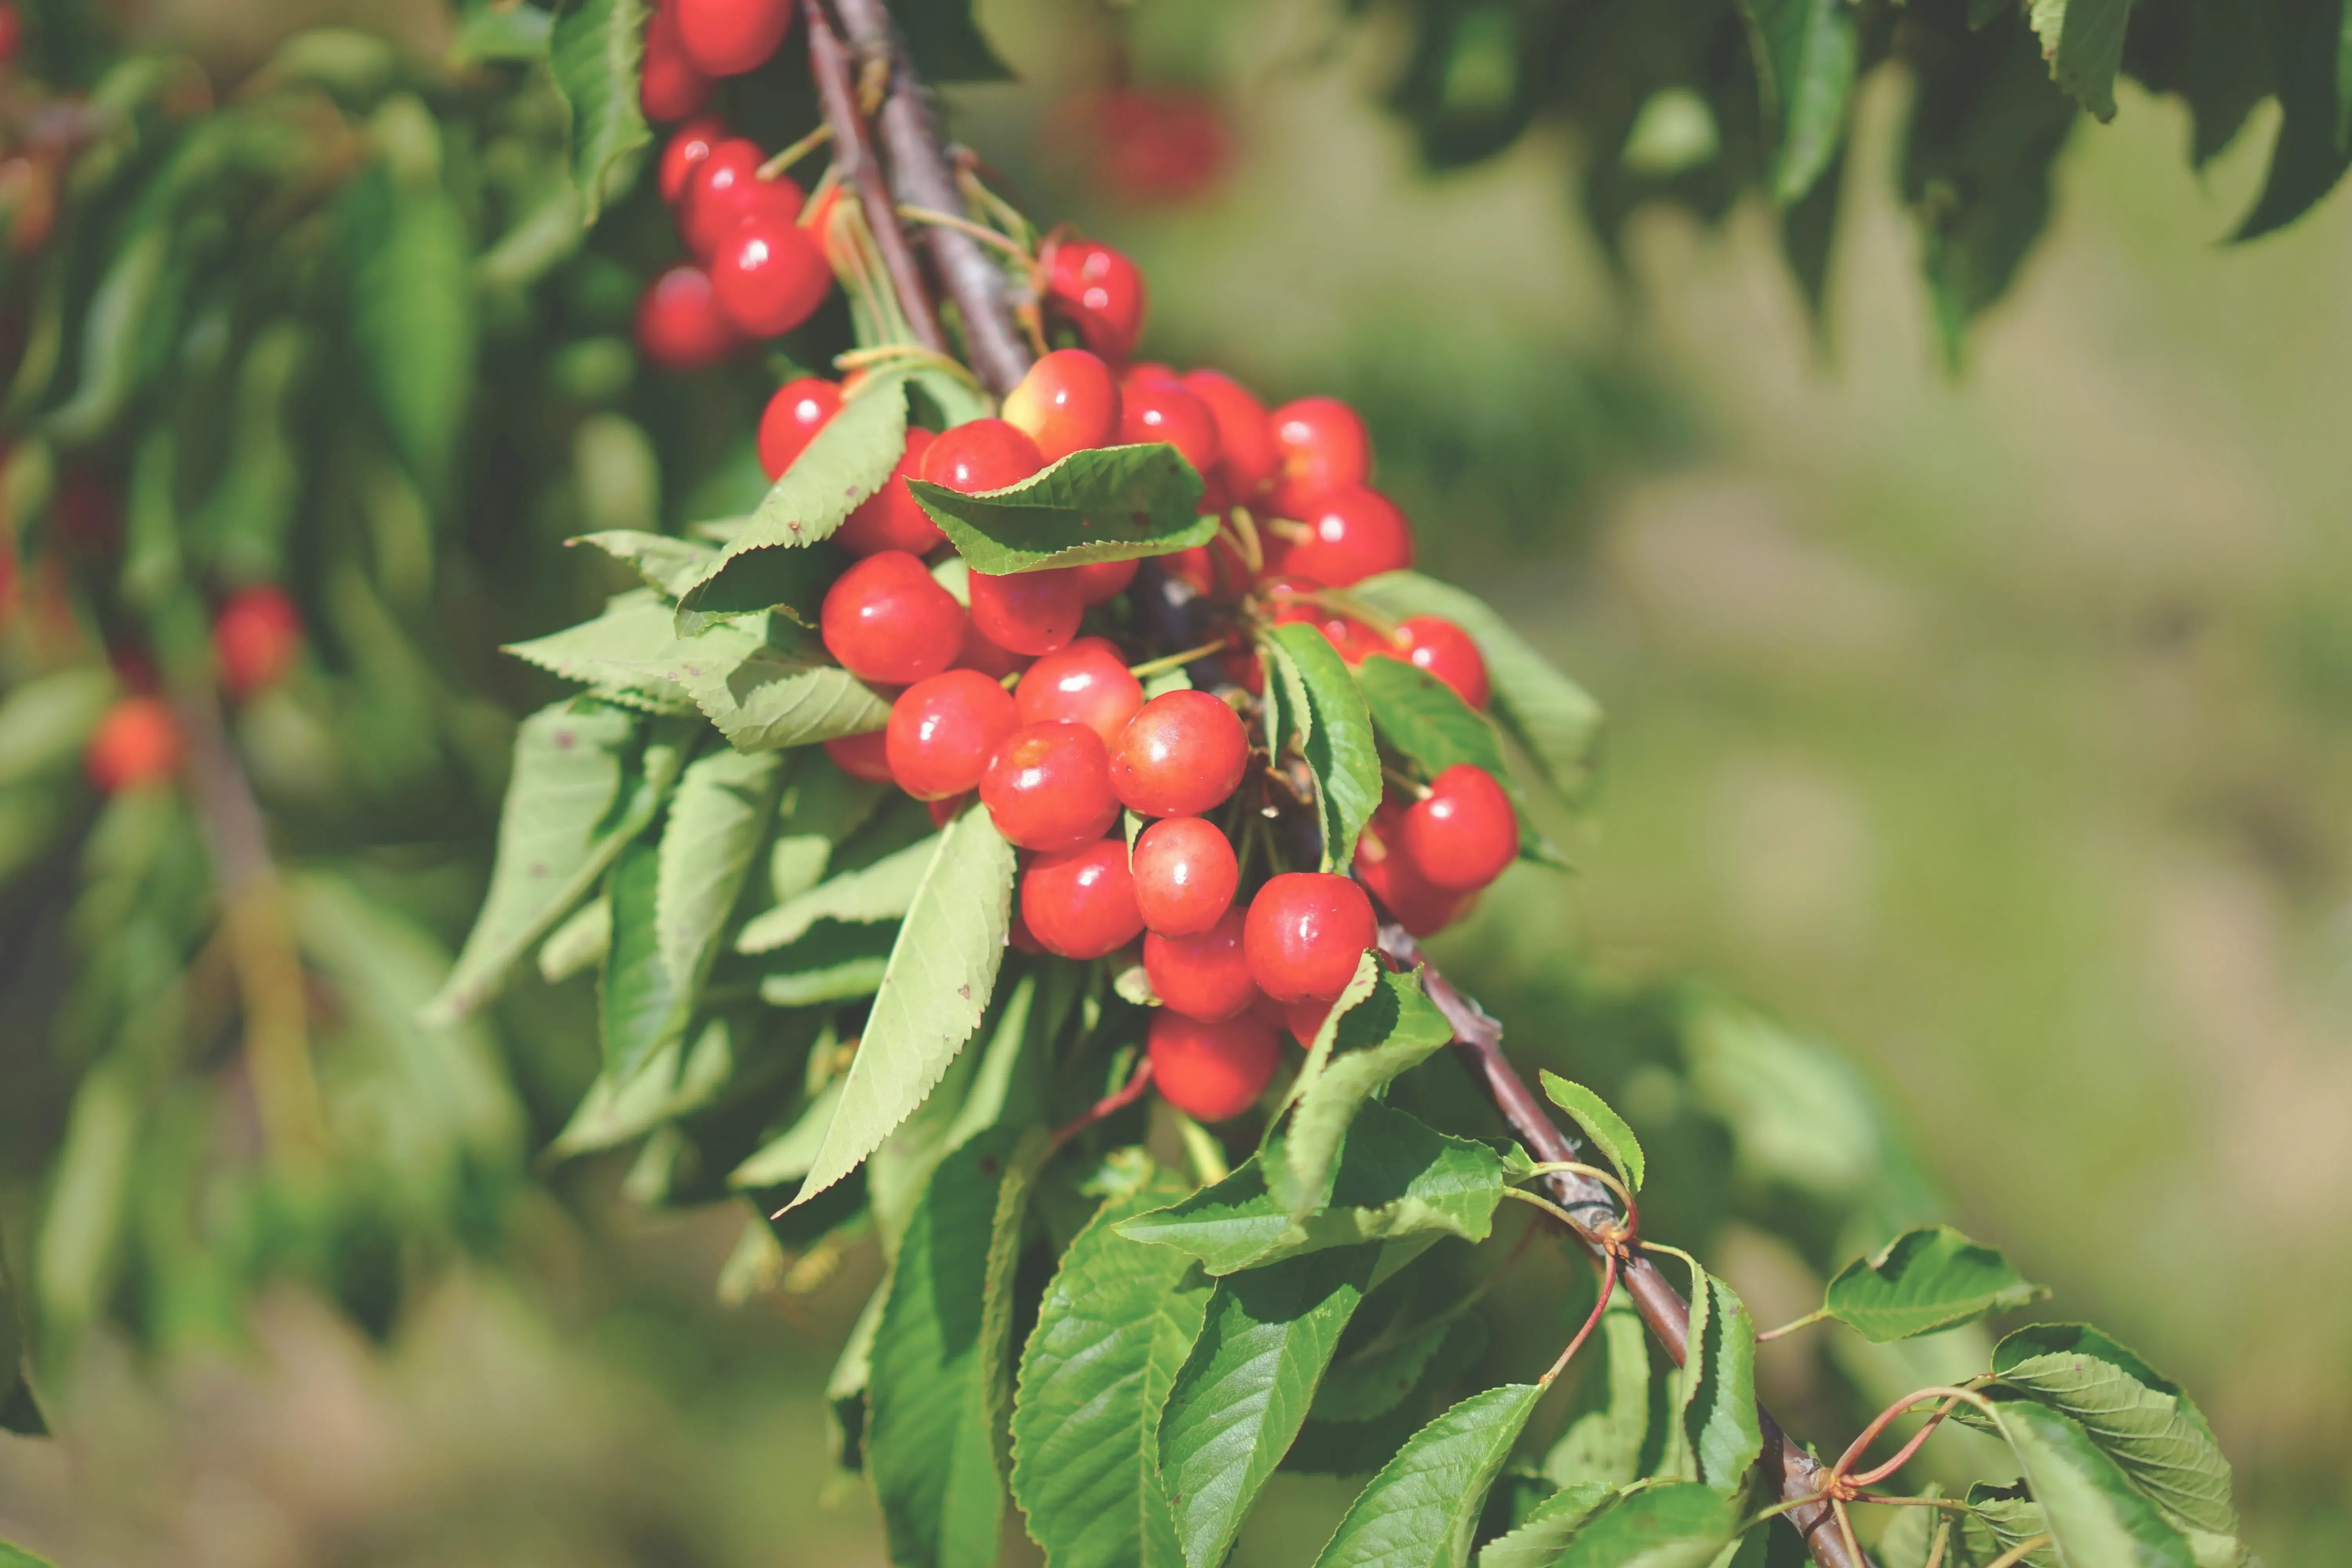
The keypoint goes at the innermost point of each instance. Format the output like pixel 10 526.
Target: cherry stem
pixel 794 153
pixel 1167 661
pixel 1607 1179
pixel 979 231
pixel 1608 1288
pixel 1411 787
pixel 2019 1552
pixel 1888 1416
pixel 1807 1322
pixel 1245 536
pixel 1118 1100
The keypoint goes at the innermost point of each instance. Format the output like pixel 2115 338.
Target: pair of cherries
pixel 690 43
pixel 757 271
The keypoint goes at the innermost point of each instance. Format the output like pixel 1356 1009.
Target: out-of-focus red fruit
pixel 728 37
pixel 688 146
pixel 891 517
pixel 1304 1019
pixel 1156 145
pixel 1323 445
pixel 1353 640
pixel 679 324
pixel 12 31
pixel 791 420
pixel 982 454
pixel 1248 456
pixel 724 190
pixel 1099 292
pixel 136 744
pixel 1352 534
pixel 769 277
pixel 1212 1071
pixel 1440 649
pixel 866 756
pixel 1067 403
pixel 670 87
pixel 1215 571
pixel 254 639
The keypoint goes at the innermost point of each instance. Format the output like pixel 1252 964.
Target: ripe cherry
pixel 1185 877
pixel 137 743
pixel 1085 683
pixel 1212 1071
pixel 886 620
pixel 1080 903
pixel 688 145
pixel 891 517
pixel 982 454
pixel 1183 753
pixel 1205 975
pixel 996 663
pixel 1103 580
pixel 1352 534
pixel 679 324
pixel 1028 612
pixel 1463 833
pixel 728 37
pixel 1155 410
pixel 791 420
pixel 1305 933
pixel 866 756
pixel 769 277
pixel 942 731
pixel 1304 1019
pixel 1323 445
pixel 1389 874
pixel 1099 292
pixel 1249 457
pixel 254 639
pixel 671 87
pixel 1295 604
pixel 725 189
pixel 12 32
pixel 1048 787
pixel 1067 403
pixel 1433 644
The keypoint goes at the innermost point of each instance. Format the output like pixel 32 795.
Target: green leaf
pixel 1393 1030
pixel 616 649
pixel 13 1556
pixel 882 892
pixel 1539 1538
pixel 2307 70
pixel 44 721
pixel 596 50
pixel 718 818
pixel 932 997
pixel 1116 1323
pixel 1105 503
pixel 19 1412
pixel 1674 1525
pixel 1603 1126
pixel 2083 42
pixel 1806 52
pixel 1926 1280
pixel 1422 1508
pixel 1550 715
pixel 1324 713
pixel 1425 720
pixel 2002 1518
pixel 411 261
pixel 120 310
pixel 1244 1389
pixel 673 1081
pixel 1396 1177
pixel 580 943
pixel 2095 1518
pixel 850 458
pixel 667 563
pixel 1603 1445
pixel 520 34
pixel 640 1007
pixel 1910 1534
pixel 1717 1421
pixel 580 788
pixel 832 963
pixel 760 696
pixel 821 808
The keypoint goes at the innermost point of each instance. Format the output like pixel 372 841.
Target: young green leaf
pixel 2097 1518
pixel 1926 1280
pixel 1806 52
pixel 1603 1126
pixel 1105 503
pixel 1244 1389
pixel 932 997
pixel 1718 1438
pixel 760 696
pixel 1117 1322
pixel 1325 712
pixel 1674 1525
pixel 667 562
pixel 1394 1029
pixel 1423 1506
pixel 1538 1539
pixel 717 817
pixel 596 50
pixel 2083 42
pixel 1603 1445
pixel 884 891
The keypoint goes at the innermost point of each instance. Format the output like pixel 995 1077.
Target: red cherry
pixel 996 663
pixel 886 620
pixel 944 811
pixel 1018 934
pixel 1085 683
pixel 1249 457
pixel 725 190
pixel 1410 900
pixel 983 455
pixel 1212 1071
pixel 1433 644
pixel 1104 580
pixel 254 639
pixel 671 85
pixel 728 37
pixel 1099 292
pixel 791 420
pixel 1154 145
pixel 688 145
pixel 1185 877
pixel 1028 612
pixel 1351 638
pixel 1205 975
pixel 1183 753
pixel 1463 833
pixel 1353 533
pixel 12 32
pixel 1304 1019
pixel 942 731
pixel 1067 403
pixel 1323 444
pixel 1305 933
pixel 1048 787
pixel 771 277
pixel 137 743
pixel 679 324
pixel 891 517
pixel 1080 903
pixel 866 756
pixel 1166 410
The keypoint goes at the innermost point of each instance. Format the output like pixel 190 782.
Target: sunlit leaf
pixel 1924 1279
pixel 1423 1506
pixel 1602 1125
pixel 1104 503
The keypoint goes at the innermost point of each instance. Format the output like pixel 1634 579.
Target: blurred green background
pixel 1995 726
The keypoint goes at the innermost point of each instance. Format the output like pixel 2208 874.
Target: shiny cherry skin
pixel 728 37
pixel 886 620
pixel 1028 612
pixel 679 323
pixel 1067 403
pixel 942 731
pixel 688 146
pixel 1205 975
pixel 1080 903
pixel 982 454
pixel 1305 933
pixel 769 277
pixel 670 87
pixel 1352 534
pixel 1248 456
pixel 1212 1071
pixel 1047 786
pixel 724 190
pixel 791 420
pixel 1183 753
pixel 1101 581
pixel 1463 833
pixel 1085 683
pixel 1155 410
pixel 891 517
pixel 1387 873
pixel 866 756
pixel 255 637
pixel 1099 292
pixel 1323 445
pixel 1435 644
pixel 137 745
pixel 1185 877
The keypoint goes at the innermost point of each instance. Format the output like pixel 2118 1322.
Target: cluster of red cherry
pixel 257 634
